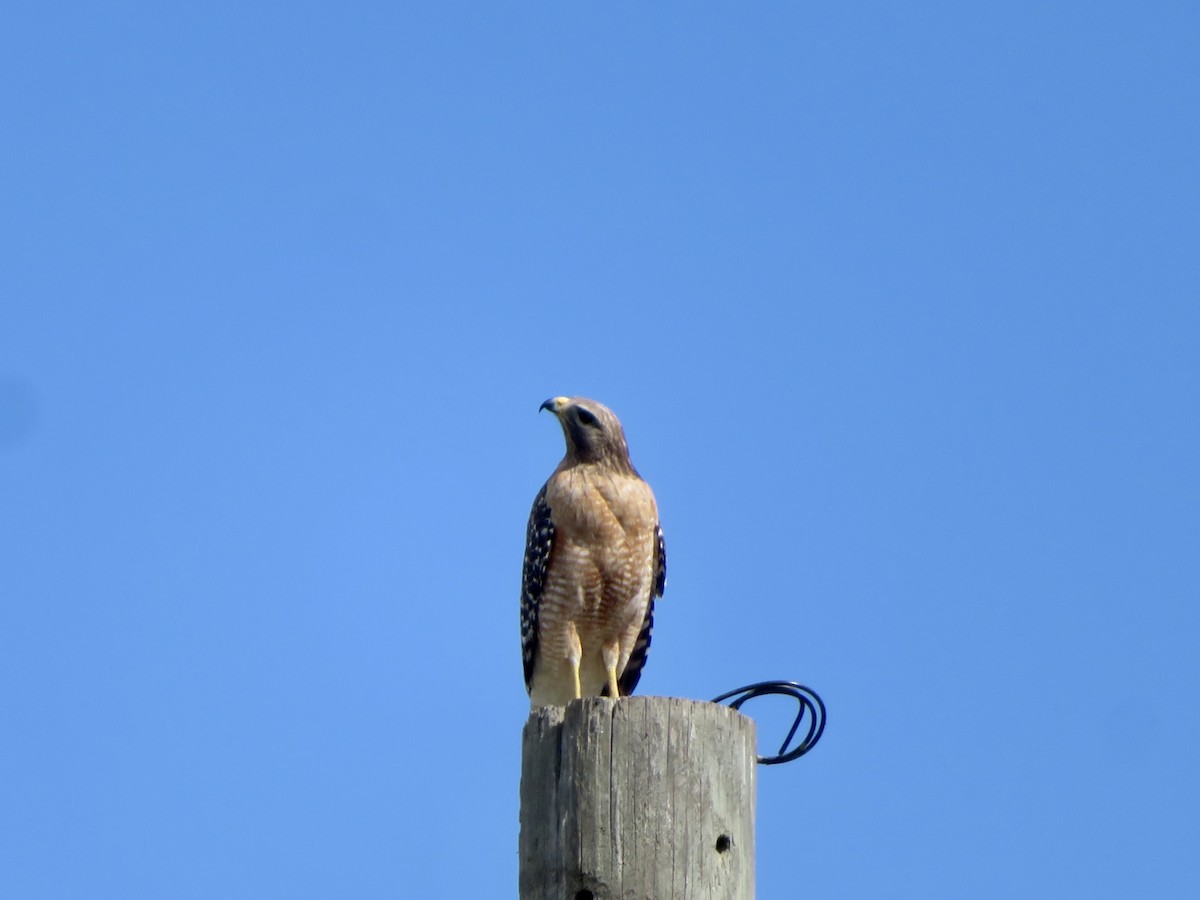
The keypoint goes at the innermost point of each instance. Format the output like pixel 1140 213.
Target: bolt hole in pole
pixel 584 894
pixel 723 843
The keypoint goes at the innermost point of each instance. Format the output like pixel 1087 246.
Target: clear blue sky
pixel 899 303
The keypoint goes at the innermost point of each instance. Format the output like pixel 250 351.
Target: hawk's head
pixel 593 432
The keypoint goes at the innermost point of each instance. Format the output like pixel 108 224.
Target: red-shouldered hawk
pixel 594 562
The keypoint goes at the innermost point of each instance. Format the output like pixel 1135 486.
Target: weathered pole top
pixel 642 797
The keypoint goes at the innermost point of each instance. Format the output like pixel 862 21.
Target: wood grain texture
pixel 643 798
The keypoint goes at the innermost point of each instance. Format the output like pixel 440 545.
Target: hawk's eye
pixel 585 417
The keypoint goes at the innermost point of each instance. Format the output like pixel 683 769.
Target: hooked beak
pixel 554 404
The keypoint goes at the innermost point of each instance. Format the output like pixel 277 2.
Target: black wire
pixel 810 705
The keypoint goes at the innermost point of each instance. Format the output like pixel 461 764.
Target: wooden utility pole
pixel 650 798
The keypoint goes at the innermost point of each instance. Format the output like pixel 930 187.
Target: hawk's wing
pixel 641 647
pixel 539 541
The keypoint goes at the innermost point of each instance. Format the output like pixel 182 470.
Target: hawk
pixel 594 563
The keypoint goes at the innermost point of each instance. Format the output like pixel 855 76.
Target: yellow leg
pixel 611 654
pixel 613 690
pixel 574 655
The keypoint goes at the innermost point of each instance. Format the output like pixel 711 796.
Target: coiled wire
pixel 810 707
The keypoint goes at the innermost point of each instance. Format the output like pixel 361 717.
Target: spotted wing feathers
pixel 539 541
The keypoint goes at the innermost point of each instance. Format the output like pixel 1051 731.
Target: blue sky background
pixel 899 304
